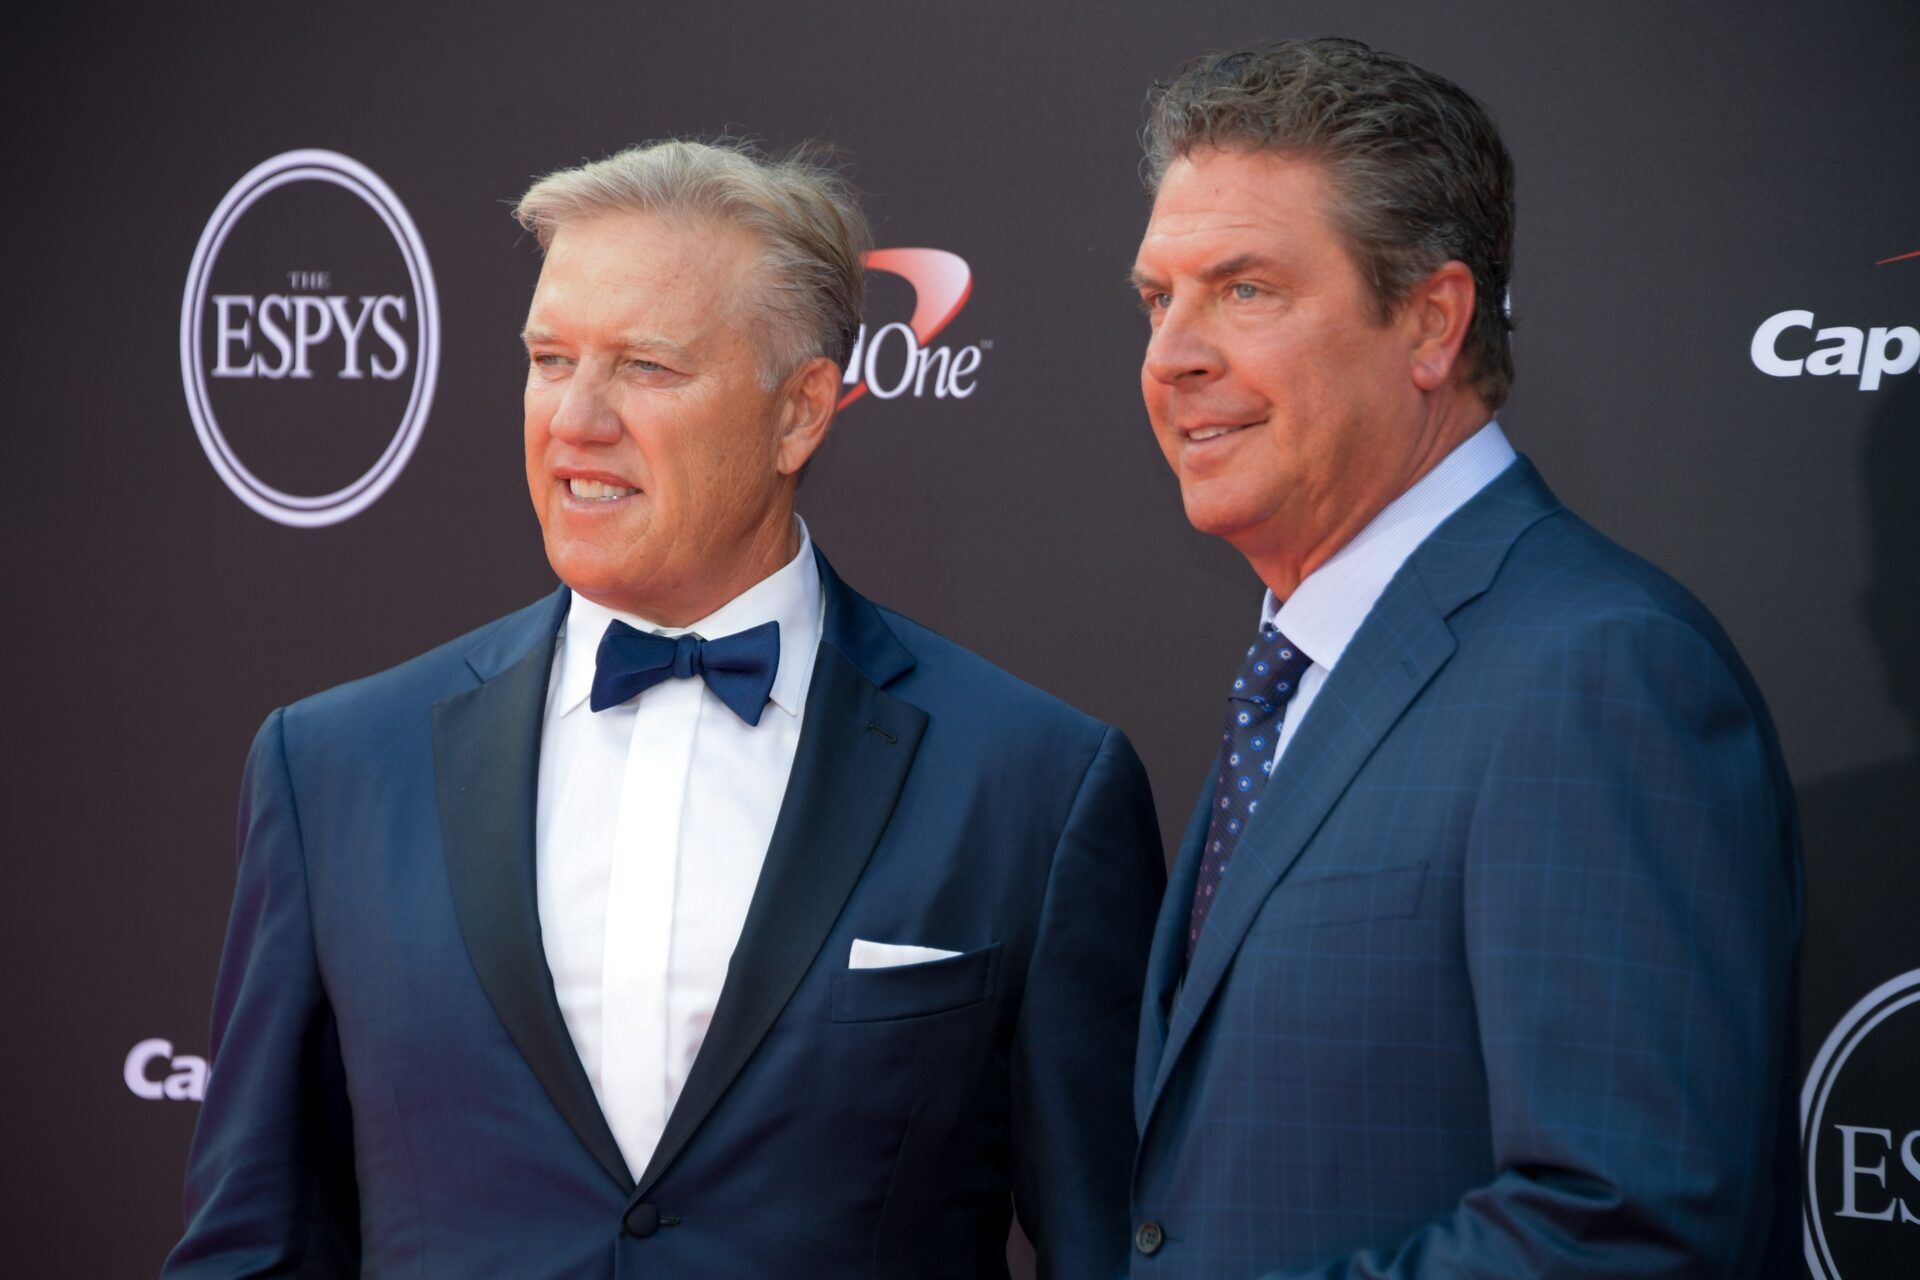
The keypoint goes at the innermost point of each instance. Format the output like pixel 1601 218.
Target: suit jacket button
pixel 1149 1238
pixel 642 1221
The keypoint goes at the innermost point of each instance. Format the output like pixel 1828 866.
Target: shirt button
pixel 1149 1238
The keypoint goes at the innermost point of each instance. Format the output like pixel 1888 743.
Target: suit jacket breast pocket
pixel 915 990
pixel 1345 897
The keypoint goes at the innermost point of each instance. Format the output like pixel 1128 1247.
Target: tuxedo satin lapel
pixel 1396 652
pixel 856 747
pixel 486 764
pixel 1169 950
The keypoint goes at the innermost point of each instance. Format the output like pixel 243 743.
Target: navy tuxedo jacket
pixel 394 1089
pixel 1498 983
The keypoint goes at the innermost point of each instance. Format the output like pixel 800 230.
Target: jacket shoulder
pixel 952 681
pixel 1566 586
pixel 1564 566
pixel 408 687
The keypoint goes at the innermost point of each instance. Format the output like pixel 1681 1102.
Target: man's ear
pixel 1440 310
pixel 807 401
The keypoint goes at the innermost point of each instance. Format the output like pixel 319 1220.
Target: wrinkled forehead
pixel 1215 202
pixel 679 264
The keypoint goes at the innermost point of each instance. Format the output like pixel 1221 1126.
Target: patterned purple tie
pixel 1256 706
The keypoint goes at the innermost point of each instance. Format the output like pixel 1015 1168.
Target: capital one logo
pixel 153 1071
pixel 1860 1139
pixel 1780 345
pixel 309 338
pixel 898 358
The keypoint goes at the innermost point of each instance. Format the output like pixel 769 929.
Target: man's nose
pixel 585 416
pixel 1180 352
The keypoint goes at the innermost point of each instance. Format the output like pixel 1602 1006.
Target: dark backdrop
pixel 1684 175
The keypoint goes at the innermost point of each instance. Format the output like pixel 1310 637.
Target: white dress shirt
pixel 653 822
pixel 1324 612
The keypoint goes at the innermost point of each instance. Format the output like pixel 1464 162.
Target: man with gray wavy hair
pixel 703 918
pixel 1476 959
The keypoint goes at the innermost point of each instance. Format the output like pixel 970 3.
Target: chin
pixel 587 573
pixel 1215 519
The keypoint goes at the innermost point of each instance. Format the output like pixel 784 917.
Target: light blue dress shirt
pixel 1326 609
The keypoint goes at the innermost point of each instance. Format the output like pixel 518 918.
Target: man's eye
pixel 546 360
pixel 648 366
pixel 1246 292
pixel 1151 302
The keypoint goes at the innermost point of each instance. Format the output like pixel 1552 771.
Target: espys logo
pixel 1868 354
pixel 896 359
pixel 309 338
pixel 1860 1139
pixel 152 1071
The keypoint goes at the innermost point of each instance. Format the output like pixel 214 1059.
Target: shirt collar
pixel 790 596
pixel 1325 611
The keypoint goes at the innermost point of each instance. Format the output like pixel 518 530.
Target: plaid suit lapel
pixel 1397 651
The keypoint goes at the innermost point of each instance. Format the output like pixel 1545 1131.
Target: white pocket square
pixel 891 955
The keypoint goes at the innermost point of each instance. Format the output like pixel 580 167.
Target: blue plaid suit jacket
pixel 1499 982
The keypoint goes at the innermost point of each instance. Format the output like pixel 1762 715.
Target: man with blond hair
pixel 702 919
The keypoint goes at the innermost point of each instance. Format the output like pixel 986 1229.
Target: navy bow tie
pixel 738 668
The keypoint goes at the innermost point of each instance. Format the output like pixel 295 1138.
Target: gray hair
pixel 804 213
pixel 1418 168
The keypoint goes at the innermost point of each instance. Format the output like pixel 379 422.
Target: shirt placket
pixel 642 891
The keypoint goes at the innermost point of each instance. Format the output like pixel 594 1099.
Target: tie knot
pixel 1272 670
pixel 686 656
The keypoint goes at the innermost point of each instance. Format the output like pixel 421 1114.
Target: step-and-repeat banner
pixel 265 296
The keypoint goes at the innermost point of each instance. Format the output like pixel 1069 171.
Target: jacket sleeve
pixel 269 1186
pixel 1632 908
pixel 1073 1049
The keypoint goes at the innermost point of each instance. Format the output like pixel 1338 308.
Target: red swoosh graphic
pixel 942 282
pixel 1898 258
